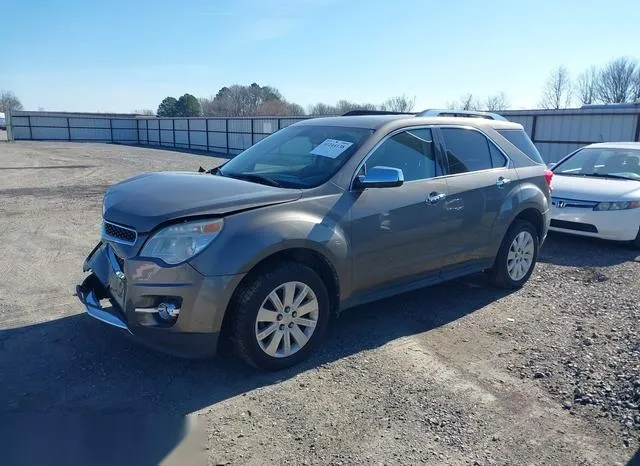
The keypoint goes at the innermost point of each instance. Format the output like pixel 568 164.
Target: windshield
pixel 602 162
pixel 302 156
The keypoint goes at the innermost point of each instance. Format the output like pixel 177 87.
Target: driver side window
pixel 411 151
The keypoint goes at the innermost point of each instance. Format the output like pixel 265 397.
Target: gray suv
pixel 321 216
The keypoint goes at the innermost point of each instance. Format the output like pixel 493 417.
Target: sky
pixel 119 56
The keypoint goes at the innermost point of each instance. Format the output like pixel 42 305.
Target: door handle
pixel 434 198
pixel 502 181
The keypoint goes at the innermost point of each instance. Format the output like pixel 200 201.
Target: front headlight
pixel 622 205
pixel 177 243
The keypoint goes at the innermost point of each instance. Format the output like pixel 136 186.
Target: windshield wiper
pixel 252 177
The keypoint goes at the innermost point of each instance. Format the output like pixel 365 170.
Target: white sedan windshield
pixel 602 162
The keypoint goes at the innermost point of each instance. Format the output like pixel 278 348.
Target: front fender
pixel 249 238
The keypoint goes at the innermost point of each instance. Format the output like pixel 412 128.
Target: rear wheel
pixel 636 242
pixel 516 257
pixel 280 316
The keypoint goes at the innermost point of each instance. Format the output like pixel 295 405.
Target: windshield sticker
pixel 331 148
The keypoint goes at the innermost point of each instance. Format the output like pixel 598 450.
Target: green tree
pixel 188 106
pixel 168 107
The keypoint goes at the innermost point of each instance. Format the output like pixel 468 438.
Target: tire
pixel 635 244
pixel 501 274
pixel 254 308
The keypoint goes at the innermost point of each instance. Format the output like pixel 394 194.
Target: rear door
pixel 479 182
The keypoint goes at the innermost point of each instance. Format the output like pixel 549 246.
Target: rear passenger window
pixel 520 139
pixel 467 150
pixel 411 151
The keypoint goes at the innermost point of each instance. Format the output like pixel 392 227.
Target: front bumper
pixel 617 225
pixel 125 293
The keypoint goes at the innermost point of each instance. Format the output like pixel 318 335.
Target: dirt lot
pixel 455 374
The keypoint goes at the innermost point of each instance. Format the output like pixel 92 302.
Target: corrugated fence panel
pixel 166 124
pixel 20 132
pixel 239 126
pixel 89 122
pixel 125 135
pixel 182 138
pixel 265 126
pixel 552 152
pixel 239 141
pixel 48 121
pixel 180 124
pixel 198 124
pixel 19 121
pixel 166 137
pixel 525 121
pixel 91 134
pixel 218 140
pixel 218 124
pixel 122 123
pixel 198 139
pixel 49 133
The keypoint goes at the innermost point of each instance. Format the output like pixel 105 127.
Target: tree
pixel 400 103
pixel 467 102
pixel 9 102
pixel 636 85
pixel 496 102
pixel 168 107
pixel 616 81
pixel 188 106
pixel 295 109
pixel 557 90
pixel 320 109
pixel 239 100
pixel 587 86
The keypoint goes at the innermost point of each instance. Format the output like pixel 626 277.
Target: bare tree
pixel 9 101
pixel 616 81
pixel 557 90
pixel 587 86
pixel 636 85
pixel 496 102
pixel 322 109
pixel 400 103
pixel 466 102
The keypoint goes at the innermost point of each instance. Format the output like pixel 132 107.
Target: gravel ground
pixel 458 373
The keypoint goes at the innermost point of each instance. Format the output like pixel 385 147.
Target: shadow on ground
pixel 77 366
pixel 635 461
pixel 579 251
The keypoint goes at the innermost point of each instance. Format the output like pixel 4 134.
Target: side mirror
pixel 381 177
pixel 551 165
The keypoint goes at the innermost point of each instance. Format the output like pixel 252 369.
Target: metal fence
pixel 555 132
pixel 219 135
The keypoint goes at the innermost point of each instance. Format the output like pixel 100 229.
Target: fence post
pixel 111 130
pixel 159 134
pixel 206 127
pixel 279 124
pixel 68 130
pixel 146 123
pixel 30 132
pixel 189 132
pixel 533 128
pixel 173 131
pixel 138 130
pixel 226 132
pixel 637 127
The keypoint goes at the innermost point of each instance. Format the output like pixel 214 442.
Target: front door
pixel 397 233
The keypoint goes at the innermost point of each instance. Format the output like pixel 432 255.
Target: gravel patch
pixel 458 373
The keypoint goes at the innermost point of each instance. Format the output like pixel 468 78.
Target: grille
pixel 574 226
pixel 119 233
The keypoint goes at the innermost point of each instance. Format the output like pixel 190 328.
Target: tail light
pixel 548 176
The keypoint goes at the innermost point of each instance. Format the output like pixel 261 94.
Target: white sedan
pixel 596 192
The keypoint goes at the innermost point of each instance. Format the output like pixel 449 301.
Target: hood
pixel 594 189
pixel 147 200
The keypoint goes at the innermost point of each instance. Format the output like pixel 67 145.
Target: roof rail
pixel 462 113
pixel 374 112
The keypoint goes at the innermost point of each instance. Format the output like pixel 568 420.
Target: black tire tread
pixel 244 313
pixel 498 275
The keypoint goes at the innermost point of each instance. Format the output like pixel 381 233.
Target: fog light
pixel 168 311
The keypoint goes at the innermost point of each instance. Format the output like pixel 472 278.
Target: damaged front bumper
pixel 174 309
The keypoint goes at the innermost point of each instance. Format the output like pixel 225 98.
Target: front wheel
pixel 280 316
pixel 516 257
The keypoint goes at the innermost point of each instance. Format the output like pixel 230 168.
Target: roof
pixel 377 121
pixel 616 145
